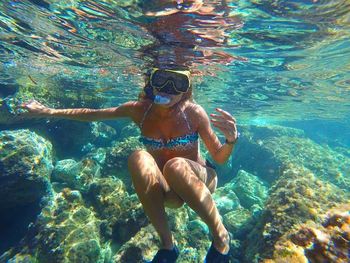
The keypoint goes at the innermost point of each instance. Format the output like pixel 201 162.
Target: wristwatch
pixel 234 141
pixel 231 143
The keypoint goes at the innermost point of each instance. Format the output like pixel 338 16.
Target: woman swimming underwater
pixel 171 171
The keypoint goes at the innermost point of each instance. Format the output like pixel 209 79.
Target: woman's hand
pixel 35 109
pixel 226 124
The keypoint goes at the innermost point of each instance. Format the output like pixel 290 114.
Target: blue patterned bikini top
pixel 183 142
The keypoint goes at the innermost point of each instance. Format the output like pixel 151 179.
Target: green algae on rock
pixel 249 189
pixel 76 175
pixel 325 241
pixel 121 213
pixel 296 197
pixel 25 168
pixel 65 231
pixel 273 147
pixel 115 163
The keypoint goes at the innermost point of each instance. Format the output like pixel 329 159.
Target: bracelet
pixel 231 143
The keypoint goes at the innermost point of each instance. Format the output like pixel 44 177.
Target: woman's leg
pixel 194 184
pixel 151 187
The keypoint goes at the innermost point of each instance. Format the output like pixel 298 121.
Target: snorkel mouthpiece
pixel 159 99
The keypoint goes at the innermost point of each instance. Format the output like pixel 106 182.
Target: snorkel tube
pixel 162 100
pixel 157 99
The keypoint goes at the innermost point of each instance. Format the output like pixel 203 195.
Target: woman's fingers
pixel 224 114
pixel 224 122
pixel 222 117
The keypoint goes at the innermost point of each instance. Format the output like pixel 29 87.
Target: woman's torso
pixel 174 135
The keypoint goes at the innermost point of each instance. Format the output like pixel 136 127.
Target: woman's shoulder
pixel 195 112
pixel 138 104
pixel 136 108
pixel 194 109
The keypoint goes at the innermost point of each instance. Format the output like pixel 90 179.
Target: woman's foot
pixel 166 255
pixel 222 243
pixel 214 256
pixel 219 253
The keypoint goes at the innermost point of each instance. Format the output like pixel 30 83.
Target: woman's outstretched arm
pixel 36 109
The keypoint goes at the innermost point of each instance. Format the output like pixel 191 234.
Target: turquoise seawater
pixel 281 68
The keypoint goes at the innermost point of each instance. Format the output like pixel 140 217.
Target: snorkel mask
pixel 183 6
pixel 173 82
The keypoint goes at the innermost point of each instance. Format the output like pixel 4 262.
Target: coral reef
pixel 325 241
pixel 296 197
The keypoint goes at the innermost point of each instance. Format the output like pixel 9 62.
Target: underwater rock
pixel 190 235
pixel 122 213
pixel 103 133
pixel 130 130
pixel 296 197
pixel 238 222
pixel 226 199
pixel 74 138
pixel 76 175
pixel 328 241
pixel 65 231
pixel 251 154
pixel 7 89
pixel 142 246
pixel 46 89
pixel 8 112
pixel 249 189
pixel 117 158
pixel 264 151
pixel 25 168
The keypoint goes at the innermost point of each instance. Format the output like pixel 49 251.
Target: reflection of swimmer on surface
pixel 171 171
pixel 191 31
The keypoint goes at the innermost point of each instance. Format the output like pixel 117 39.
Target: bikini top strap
pixel 145 114
pixel 187 122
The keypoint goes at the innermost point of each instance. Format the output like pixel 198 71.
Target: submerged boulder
pixel 296 197
pixel 121 213
pixel 249 189
pixel 226 199
pixel 265 151
pixel 65 231
pixel 325 241
pixel 25 168
pixel 116 159
pixel 190 234
pixel 75 175
pixel 254 156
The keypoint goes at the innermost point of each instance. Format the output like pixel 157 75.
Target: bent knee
pixel 137 157
pixel 174 165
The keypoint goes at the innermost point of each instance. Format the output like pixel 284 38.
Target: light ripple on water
pixel 282 53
